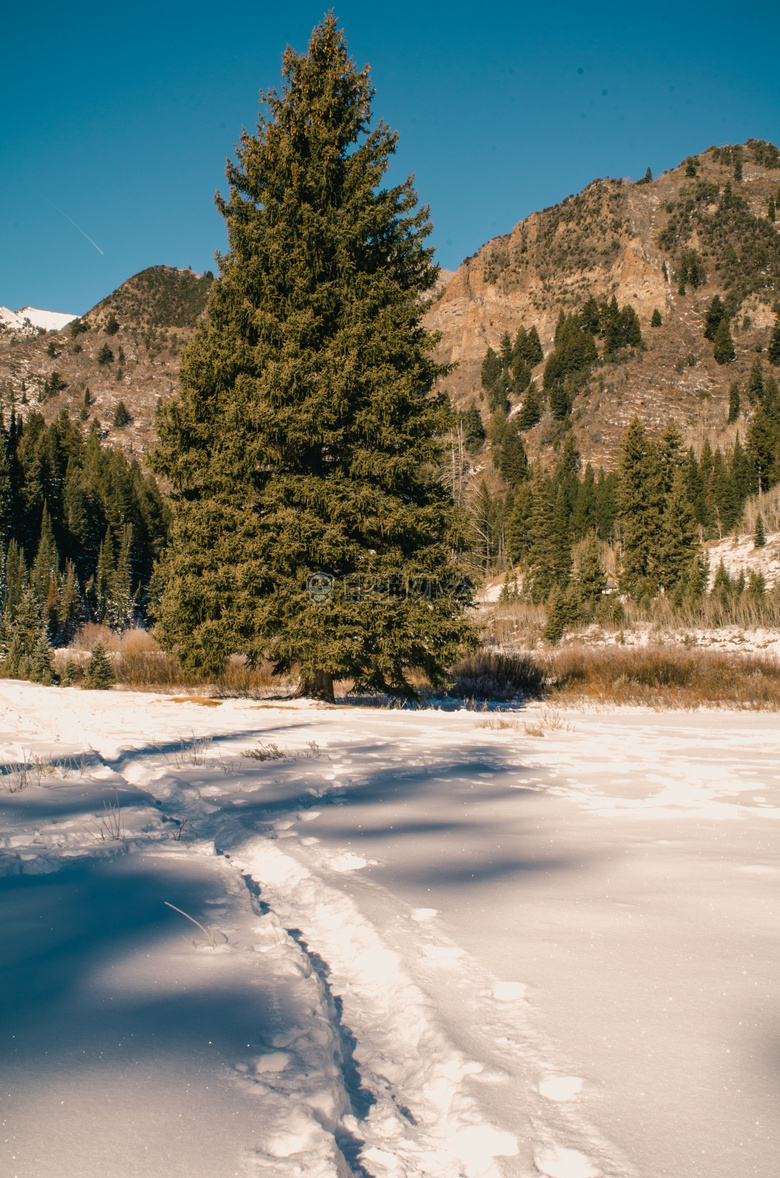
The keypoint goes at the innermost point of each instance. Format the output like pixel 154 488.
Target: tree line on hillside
pixel 80 531
pixel 552 526
pixel 508 372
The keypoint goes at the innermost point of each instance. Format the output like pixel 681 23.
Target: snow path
pixel 425 947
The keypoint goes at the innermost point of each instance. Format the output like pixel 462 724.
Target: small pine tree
pixel 724 351
pixel 105 355
pixel 713 316
pixel 591 579
pixel 99 674
pixel 770 209
pixel 121 415
pixel 41 662
pixel 557 615
pixel 773 351
pixel 532 407
pixel 755 387
pixel 73 674
pixel 112 326
pixel 534 354
pixel 759 536
pixel 656 320
pixel 734 403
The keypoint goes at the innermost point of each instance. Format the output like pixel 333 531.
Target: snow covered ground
pixel 388 944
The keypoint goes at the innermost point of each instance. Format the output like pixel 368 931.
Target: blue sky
pixel 116 120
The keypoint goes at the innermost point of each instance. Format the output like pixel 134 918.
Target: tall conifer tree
pixel 306 437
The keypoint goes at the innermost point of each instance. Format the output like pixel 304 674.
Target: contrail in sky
pixel 73 223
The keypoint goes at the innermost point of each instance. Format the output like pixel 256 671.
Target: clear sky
pixel 116 119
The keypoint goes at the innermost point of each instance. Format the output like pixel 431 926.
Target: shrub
pixel 489 675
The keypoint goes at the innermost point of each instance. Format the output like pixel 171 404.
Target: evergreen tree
pixel 533 350
pixel 591 578
pixel 473 429
pixel 770 209
pixel 532 408
pixel 773 351
pixel 561 538
pixel 542 541
pixel 771 401
pixel 641 506
pixel 121 416
pixel 512 460
pixel 760 449
pixel 519 523
pixel 679 540
pixel 105 355
pixel 590 316
pixel 734 403
pixel 585 515
pixel 506 352
pixel 755 387
pixel 491 369
pixel 713 317
pixel 759 536
pixel 655 319
pixel 47 561
pixel 112 326
pixel 305 441
pixel 100 673
pixel 670 454
pixel 724 345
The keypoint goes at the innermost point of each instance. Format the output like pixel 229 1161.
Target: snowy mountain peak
pixel 31 318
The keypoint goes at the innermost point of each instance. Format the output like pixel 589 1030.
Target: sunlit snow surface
pixel 417 947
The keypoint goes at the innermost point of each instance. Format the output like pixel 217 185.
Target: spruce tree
pixel 533 353
pixel 755 387
pixel 641 506
pixel 724 351
pixel 734 403
pixel 591 578
pixel 310 524
pixel 655 319
pixel 773 351
pixel 759 536
pixel 679 542
pixel 531 408
pixel 713 316
pixel 99 675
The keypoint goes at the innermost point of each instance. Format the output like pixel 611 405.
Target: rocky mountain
pixel 715 212
pixel 665 245
pixel 126 349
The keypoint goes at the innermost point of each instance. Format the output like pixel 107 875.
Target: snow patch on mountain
pixel 31 318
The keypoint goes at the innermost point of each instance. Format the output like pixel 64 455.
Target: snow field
pixel 418 948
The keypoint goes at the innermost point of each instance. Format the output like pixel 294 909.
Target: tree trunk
pixel 316 685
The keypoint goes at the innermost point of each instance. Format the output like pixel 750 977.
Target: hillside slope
pixel 627 240
pixel 144 324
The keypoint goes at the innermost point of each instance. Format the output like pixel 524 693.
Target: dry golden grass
pixel 141 665
pixel 663 677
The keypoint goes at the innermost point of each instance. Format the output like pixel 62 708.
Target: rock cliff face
pixel 628 240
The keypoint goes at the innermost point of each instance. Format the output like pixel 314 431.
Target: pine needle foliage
pixel 306 436
pixel 100 673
